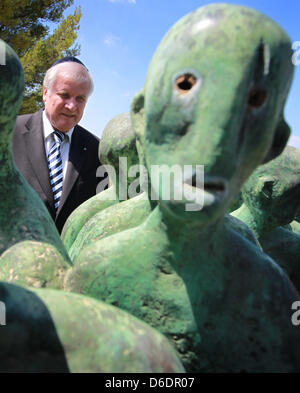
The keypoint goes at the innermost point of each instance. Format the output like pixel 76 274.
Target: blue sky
pixel 118 39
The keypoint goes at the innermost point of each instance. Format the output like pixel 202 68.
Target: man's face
pixel 65 101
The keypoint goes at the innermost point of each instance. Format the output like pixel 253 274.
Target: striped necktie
pixel 55 167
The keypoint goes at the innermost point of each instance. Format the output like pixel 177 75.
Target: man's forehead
pixel 63 82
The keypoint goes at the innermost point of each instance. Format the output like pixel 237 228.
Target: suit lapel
pixel 35 149
pixel 77 156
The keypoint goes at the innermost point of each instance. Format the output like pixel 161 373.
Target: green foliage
pixel 25 26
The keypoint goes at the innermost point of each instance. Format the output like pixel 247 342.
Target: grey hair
pixel 83 76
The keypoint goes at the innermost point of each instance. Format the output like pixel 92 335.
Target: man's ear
pixel 281 136
pixel 44 93
pixel 137 115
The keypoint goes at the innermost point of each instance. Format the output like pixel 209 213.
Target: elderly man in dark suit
pixel 57 157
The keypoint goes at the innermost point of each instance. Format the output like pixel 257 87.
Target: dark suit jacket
pixel 30 158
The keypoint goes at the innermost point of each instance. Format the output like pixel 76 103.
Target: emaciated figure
pixel 271 199
pixel 214 95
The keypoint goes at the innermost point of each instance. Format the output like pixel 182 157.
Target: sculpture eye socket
pixel 184 83
pixel 257 97
pixel 267 189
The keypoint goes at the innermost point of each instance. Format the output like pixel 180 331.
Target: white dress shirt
pixel 65 146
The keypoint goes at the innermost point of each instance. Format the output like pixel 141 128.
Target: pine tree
pixel 24 25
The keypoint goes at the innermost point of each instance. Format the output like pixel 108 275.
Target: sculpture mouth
pixel 215 187
pixel 209 191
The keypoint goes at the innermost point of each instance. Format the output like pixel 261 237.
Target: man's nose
pixel 71 104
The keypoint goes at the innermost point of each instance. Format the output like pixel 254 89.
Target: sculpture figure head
pixel 272 192
pixel 118 140
pixel 12 86
pixel 117 149
pixel 11 95
pixel 214 96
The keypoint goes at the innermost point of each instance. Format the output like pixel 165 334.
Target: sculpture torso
pixel 200 297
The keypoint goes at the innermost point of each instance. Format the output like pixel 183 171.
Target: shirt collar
pixel 48 129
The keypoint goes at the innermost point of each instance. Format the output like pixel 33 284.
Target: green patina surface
pixel 26 228
pixel 33 264
pixel 270 202
pixel 84 213
pixel 117 218
pixel 54 331
pixel 220 300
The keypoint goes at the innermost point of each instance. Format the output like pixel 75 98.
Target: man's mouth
pixel 68 115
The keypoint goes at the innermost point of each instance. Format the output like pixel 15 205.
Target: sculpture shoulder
pixel 240 227
pixel 131 246
pixel 250 259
